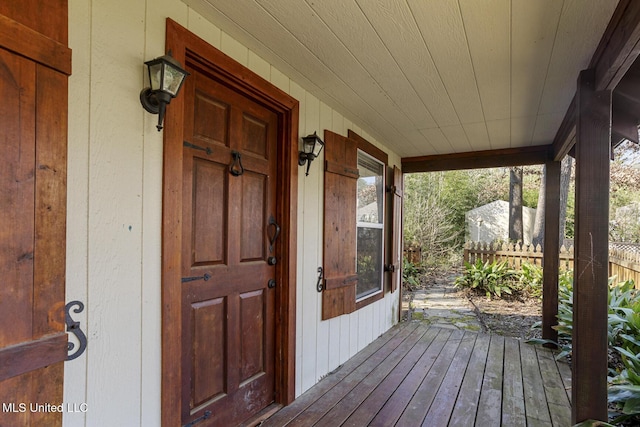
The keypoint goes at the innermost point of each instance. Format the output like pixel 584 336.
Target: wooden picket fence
pixel 624 260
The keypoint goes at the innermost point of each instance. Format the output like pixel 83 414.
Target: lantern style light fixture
pixel 312 146
pixel 166 76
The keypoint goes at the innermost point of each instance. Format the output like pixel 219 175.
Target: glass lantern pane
pixel 308 146
pixel 172 80
pixel 318 148
pixel 155 75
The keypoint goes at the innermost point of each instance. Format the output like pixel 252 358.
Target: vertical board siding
pixel 114 214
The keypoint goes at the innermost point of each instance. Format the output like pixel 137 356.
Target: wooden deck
pixel 419 375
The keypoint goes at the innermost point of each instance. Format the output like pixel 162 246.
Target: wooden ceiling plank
pixel 441 26
pixel 499 133
pixel 522 129
pixel 533 32
pixel 477 135
pixel 457 138
pixel 396 26
pixel 579 31
pixel 479 159
pixel 351 27
pixel 488 28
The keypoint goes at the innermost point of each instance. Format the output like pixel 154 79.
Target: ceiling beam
pixel 523 156
pixel 618 49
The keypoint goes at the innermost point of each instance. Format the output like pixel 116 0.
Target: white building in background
pixel 490 222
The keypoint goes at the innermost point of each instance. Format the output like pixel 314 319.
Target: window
pixel 357 243
pixel 370 226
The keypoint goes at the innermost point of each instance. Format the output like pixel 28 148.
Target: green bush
pixel 623 337
pixel 493 279
pixel 531 279
pixel 410 274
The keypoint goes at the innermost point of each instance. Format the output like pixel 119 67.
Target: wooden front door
pixel 229 233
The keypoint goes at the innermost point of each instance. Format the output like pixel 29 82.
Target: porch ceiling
pixel 428 77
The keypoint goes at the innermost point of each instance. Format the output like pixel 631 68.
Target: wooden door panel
pixel 255 136
pixel 209 326
pixel 208 216
pixel 252 334
pixel 211 118
pixel 252 224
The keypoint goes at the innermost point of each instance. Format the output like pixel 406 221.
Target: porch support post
pixel 551 251
pixel 591 259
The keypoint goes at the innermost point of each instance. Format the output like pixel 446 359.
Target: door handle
pixel 276 232
pixel 271 284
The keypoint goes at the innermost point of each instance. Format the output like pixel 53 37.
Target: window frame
pixel 380 225
pixel 379 155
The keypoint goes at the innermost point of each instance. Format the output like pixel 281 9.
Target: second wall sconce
pixel 312 146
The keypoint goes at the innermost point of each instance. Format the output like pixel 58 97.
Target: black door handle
pixel 276 232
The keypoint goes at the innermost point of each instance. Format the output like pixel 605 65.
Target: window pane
pixel 370 190
pixel 369 261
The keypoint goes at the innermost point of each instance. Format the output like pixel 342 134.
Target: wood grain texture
pixel 478 159
pixel 339 225
pixel 286 108
pixel 589 360
pixel 421 375
pixel 34 64
pixel 33 44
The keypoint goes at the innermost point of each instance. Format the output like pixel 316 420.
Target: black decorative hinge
pixel 206 277
pixel 74 328
pixel 206 416
pixel 197 147
pixel 320 285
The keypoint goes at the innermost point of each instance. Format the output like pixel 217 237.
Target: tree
pixel 515 204
pixel 538 225
pixel 565 181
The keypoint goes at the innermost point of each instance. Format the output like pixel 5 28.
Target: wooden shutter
pixel 340 181
pixel 396 231
pixel 34 64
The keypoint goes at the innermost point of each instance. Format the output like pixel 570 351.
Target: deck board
pixel 466 406
pixel 415 375
pixel 513 412
pixel 393 409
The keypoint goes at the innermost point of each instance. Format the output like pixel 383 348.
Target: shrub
pixel 531 279
pixel 493 279
pixel 623 337
pixel 410 274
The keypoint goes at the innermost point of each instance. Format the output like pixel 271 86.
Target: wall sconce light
pixel 166 76
pixel 312 146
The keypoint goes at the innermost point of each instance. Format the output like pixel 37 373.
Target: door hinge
pixel 320 283
pixel 74 328
pixel 206 277
pixel 197 147
pixel 206 416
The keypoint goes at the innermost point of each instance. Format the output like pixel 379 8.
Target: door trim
pixel 184 44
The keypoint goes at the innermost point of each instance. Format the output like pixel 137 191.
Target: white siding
pixel 115 219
